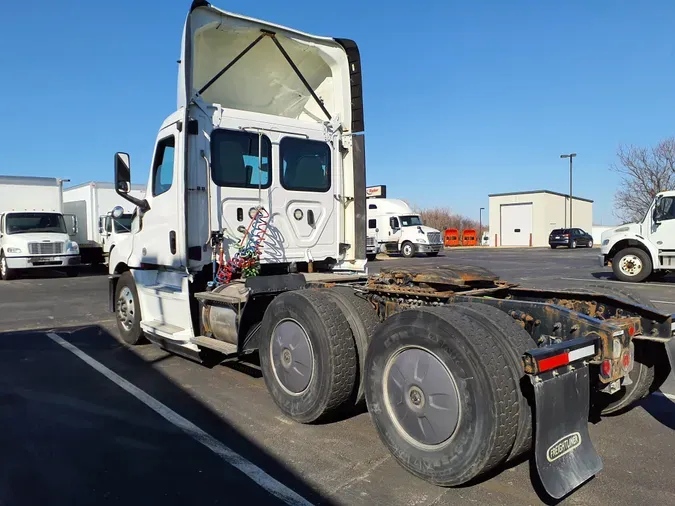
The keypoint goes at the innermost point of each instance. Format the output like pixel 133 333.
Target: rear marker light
pixel 631 331
pixel 606 368
pixel 626 361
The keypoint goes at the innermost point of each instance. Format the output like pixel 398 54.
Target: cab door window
pixel 162 171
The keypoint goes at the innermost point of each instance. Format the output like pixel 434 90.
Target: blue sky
pixel 462 99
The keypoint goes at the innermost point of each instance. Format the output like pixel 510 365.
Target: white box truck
pixel 637 251
pixel 33 231
pixel 398 229
pixel 98 232
pixel 252 238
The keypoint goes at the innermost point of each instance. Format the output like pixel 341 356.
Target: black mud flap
pixel 564 453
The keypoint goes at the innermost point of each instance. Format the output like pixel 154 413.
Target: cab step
pixel 215 344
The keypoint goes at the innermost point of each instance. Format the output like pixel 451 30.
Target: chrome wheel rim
pixel 126 310
pixel 3 267
pixel 407 250
pixel 421 397
pixel 292 356
pixel 630 265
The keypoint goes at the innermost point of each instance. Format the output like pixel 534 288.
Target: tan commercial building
pixel 527 218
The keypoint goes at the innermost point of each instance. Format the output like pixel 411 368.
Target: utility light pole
pixel 480 226
pixel 570 156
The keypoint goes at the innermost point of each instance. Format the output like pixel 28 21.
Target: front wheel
pixel 553 246
pixel 408 250
pixel 5 272
pixel 128 310
pixel 590 243
pixel 632 265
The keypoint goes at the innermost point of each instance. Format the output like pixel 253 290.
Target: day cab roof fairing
pixel 262 79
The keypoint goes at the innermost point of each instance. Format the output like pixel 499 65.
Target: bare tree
pixel 441 218
pixel 644 172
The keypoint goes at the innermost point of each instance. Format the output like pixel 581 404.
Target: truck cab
pixel 32 240
pixel 646 248
pixel 265 150
pixel 111 229
pixel 398 229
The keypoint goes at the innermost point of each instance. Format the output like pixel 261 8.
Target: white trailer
pixel 98 232
pixel 398 229
pixel 252 238
pixel 33 231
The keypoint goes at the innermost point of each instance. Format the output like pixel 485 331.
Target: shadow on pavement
pixel 661 408
pixel 71 433
pixel 84 271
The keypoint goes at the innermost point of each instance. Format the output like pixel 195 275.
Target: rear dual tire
pixel 444 397
pixel 308 356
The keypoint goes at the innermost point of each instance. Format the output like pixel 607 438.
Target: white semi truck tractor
pixel 637 251
pixel 251 238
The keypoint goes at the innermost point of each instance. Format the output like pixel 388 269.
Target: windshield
pixel 25 223
pixel 123 223
pixel 410 221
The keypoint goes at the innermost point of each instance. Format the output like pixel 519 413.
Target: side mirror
pixel 656 215
pixel 117 212
pixel 122 173
pixel 123 181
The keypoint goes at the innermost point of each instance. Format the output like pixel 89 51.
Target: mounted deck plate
pixel 454 275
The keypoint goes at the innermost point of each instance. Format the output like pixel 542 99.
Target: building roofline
pixel 538 191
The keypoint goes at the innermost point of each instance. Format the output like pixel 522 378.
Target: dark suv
pixel 570 238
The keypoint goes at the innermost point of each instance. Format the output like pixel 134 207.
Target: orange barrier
pixel 469 237
pixel 451 237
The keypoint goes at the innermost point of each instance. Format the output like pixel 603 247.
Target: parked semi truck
pixel 637 251
pixel 33 231
pixel 251 238
pixel 398 229
pixel 98 232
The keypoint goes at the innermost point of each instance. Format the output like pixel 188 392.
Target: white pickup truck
pixel 639 250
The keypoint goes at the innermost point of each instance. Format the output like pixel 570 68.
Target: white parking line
pixel 668 396
pixel 636 285
pixel 663 302
pixel 234 459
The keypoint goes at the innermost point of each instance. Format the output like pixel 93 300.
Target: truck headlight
pixel 72 247
pixel 13 250
pixel 605 242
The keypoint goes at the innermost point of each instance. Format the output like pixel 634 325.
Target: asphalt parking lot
pixel 89 421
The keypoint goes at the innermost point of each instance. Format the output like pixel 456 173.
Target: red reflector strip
pixel 547 364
